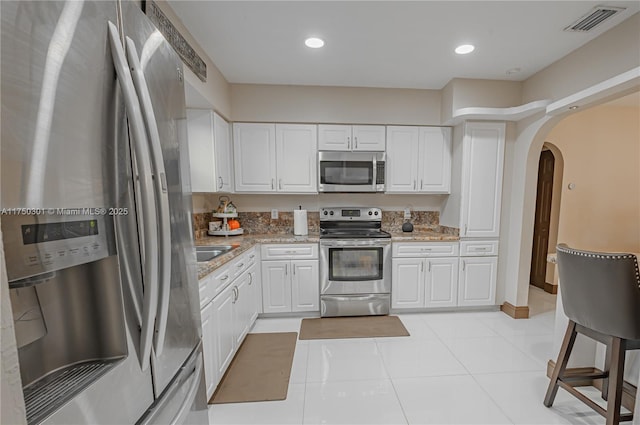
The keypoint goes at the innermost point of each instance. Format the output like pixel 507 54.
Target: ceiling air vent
pixel 594 18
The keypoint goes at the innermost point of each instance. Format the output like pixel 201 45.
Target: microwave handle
pixel 375 173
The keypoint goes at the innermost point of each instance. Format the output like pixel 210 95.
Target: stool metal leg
pixel 561 363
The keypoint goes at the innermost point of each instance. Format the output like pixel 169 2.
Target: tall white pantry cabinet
pixel 474 207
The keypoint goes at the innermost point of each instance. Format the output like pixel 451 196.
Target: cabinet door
pixel 477 283
pixel 223 316
pixel 276 287
pixel 402 159
pixel 434 160
pixel 209 349
pixel 254 157
pixel 407 288
pixel 201 150
pixel 242 308
pixel 223 154
pixel 305 285
pixel 334 137
pixel 483 157
pixel 255 293
pixel 296 158
pixel 368 138
pixel 441 283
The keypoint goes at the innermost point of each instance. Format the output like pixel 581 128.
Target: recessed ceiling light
pixel 314 42
pixel 464 49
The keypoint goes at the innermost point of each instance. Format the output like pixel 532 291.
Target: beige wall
pixel 353 105
pixel 612 53
pixel 215 92
pixel 601 151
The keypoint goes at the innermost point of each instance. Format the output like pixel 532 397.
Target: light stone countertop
pixel 245 242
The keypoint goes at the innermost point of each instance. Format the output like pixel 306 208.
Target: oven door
pixel 351 171
pixel 355 266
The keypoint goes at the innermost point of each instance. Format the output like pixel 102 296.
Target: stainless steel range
pixel 355 262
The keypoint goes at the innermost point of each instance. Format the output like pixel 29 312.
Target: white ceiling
pixel 398 44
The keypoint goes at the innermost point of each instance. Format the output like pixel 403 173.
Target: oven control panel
pixel 350 214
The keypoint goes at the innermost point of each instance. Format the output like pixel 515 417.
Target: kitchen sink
pixel 208 253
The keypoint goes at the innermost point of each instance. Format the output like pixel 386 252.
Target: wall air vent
pixel 595 17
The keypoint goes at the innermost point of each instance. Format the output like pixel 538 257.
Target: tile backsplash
pixel 261 222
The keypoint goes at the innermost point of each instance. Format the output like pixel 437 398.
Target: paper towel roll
pixel 300 222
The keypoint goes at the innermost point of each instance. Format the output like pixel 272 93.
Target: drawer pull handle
pixel 252 256
pixel 240 265
pixel 225 277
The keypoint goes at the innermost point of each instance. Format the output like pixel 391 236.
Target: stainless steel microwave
pixel 351 171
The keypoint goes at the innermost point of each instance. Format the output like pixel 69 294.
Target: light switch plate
pixel 274 214
pixel 407 213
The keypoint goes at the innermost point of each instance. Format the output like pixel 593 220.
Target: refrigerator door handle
pixel 126 265
pixel 148 205
pixel 180 417
pixel 162 197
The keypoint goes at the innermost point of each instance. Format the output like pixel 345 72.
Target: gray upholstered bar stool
pixel 601 297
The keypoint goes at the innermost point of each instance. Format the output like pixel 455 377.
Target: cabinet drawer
pixel 425 249
pixel 221 277
pixel 207 290
pixel 251 257
pixel 478 248
pixel 295 251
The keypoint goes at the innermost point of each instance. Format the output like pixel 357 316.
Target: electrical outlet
pixel 407 213
pixel 274 214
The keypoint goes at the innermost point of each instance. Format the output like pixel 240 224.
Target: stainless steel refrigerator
pixel 96 216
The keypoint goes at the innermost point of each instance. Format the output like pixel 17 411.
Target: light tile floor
pixel 455 368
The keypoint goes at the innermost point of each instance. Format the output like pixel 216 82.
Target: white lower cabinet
pixel 209 348
pixel 229 307
pixel 224 329
pixel 424 275
pixel 290 278
pixel 421 282
pixel 477 284
pixel 305 285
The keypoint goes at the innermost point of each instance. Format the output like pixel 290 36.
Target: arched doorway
pixel 542 223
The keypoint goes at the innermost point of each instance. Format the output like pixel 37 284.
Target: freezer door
pixel 162 69
pixel 183 401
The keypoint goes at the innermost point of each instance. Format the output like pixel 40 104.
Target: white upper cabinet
pixel 482 168
pixel 209 151
pixel 255 157
pixel 351 138
pixel 275 157
pixel 402 159
pixel 296 158
pixel 418 159
pixel 434 160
